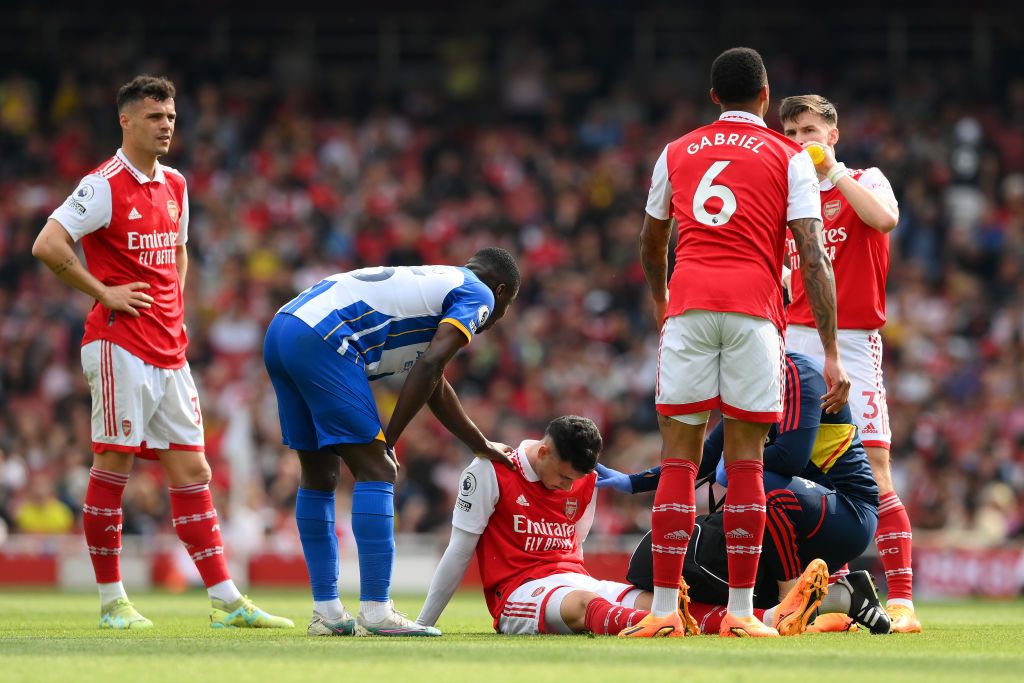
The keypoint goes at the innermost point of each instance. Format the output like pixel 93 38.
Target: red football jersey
pixel 527 530
pixel 860 258
pixel 732 186
pixel 130 226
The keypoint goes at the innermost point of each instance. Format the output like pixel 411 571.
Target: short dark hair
pixel 499 265
pixel 737 75
pixel 577 441
pixel 143 86
pixel 793 107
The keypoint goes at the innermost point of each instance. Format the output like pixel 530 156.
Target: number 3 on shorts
pixel 705 191
pixel 872 405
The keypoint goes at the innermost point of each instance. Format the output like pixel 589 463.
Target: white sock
pixel 891 602
pixel 111 591
pixel 741 602
pixel 225 590
pixel 838 599
pixel 769 616
pixel 373 611
pixel 666 601
pixel 786 586
pixel 332 610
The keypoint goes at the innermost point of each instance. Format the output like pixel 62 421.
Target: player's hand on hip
pixel 609 478
pixel 497 452
pixel 127 298
pixel 838 384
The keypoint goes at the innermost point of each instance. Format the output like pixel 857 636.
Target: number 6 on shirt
pixel 705 191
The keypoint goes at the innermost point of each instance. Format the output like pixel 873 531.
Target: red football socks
pixel 672 520
pixel 894 540
pixel 101 522
pixel 195 522
pixel 744 520
pixel 604 618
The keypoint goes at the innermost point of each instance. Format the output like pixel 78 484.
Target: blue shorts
pixel 805 520
pixel 323 399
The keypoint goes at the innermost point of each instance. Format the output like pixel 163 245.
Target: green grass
pixel 53 637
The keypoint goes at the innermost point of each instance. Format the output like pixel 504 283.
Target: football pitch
pixel 53 637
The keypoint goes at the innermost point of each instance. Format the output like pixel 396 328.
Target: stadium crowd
pixel 543 148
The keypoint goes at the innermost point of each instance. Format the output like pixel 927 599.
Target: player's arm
pixel 448 575
pixel 655 236
pixel 423 378
pixel 445 405
pixel 654 239
pixel 877 207
pixel 478 496
pixel 181 263
pixel 54 246
pixel 586 522
pixel 874 209
pixel 180 251
pixel 642 482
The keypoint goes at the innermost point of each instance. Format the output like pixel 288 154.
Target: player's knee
pixel 377 469
pixel 573 609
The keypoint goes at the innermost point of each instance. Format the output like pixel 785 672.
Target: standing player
pixel 131 215
pixel 322 350
pixel 527 527
pixel 860 211
pixel 732 187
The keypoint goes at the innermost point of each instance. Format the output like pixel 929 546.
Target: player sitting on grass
pixel 526 526
pixel 822 501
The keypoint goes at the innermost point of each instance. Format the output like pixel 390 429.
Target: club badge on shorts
pixel 126 427
pixel 172 210
pixel 571 506
pixel 831 209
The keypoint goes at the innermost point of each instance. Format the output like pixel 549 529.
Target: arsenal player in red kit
pixel 859 211
pixel 131 216
pixel 527 526
pixel 732 186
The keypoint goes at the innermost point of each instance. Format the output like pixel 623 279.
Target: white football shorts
pixel 137 407
pixel 536 606
pixel 731 361
pixel 861 353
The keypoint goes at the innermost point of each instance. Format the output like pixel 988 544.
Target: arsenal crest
pixel 831 209
pixel 537 591
pixel 571 506
pixel 172 210
pixel 126 427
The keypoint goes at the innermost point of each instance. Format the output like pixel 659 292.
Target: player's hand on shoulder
pixel 496 452
pixel 837 383
pixel 609 478
pixel 126 298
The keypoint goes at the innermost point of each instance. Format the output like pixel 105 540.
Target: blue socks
pixel 314 515
pixel 373 526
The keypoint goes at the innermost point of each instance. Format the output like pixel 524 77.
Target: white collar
pixel 524 462
pixel 136 173
pixel 744 116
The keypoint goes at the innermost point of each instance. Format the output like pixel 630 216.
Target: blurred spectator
pixel 41 512
pixel 543 143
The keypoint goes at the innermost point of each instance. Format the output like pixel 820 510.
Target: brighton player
pixel 526 527
pixel 859 211
pixel 822 500
pixel 322 350
pixel 131 216
pixel 732 186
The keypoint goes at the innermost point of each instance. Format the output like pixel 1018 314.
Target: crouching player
pixel 821 499
pixel 526 526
